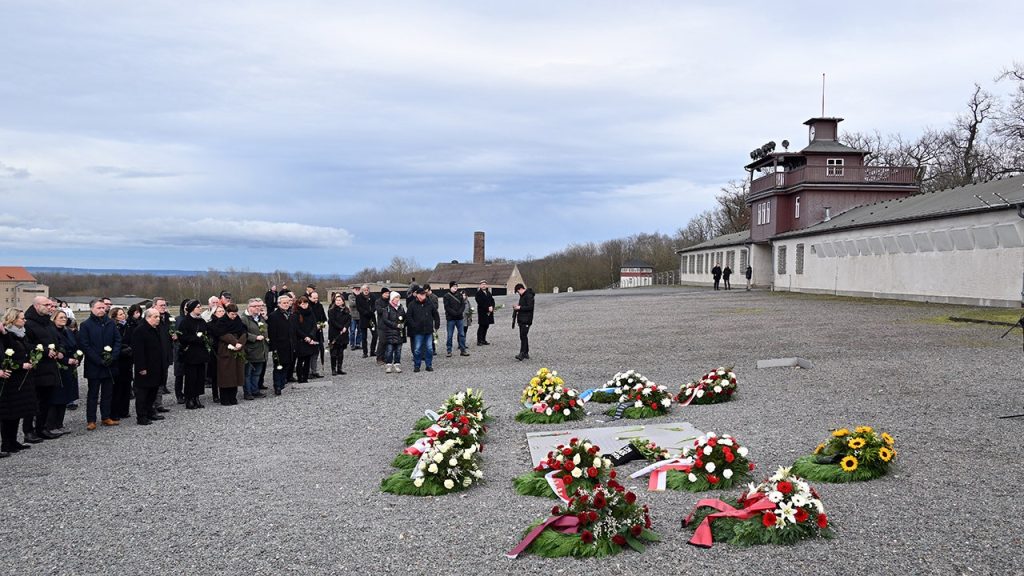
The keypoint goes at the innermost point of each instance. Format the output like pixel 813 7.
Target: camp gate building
pixel 823 222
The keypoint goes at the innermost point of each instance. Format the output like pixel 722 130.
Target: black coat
pixel 392 321
pixel 166 344
pixel 148 355
pixel 484 300
pixel 304 326
pixel 454 305
pixel 716 271
pixel 17 393
pixel 270 299
pixel 726 272
pixel 364 306
pixel 93 335
pixel 192 348
pixel 339 319
pixel 525 312
pixel 68 391
pixel 422 318
pixel 124 362
pixel 39 330
pixel 280 332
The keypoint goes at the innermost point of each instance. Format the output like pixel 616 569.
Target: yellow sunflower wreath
pixel 849 456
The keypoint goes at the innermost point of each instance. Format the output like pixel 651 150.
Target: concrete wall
pixel 734 256
pixel 974 259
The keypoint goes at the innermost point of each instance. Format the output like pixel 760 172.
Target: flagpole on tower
pixel 822 94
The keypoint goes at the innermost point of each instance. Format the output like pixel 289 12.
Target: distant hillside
pixel 122 271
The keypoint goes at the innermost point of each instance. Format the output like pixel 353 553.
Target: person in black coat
pixel 392 328
pixel 364 307
pixel 321 320
pixel 281 341
pixel 95 336
pixel 484 312
pixel 524 316
pixel 17 389
pixel 121 402
pixel 163 330
pixel 339 319
pixel 192 348
pixel 306 344
pixel 67 391
pixel 454 312
pixel 423 319
pixel 380 305
pixel 149 362
pixel 726 272
pixel 749 274
pixel 716 273
pixel 40 331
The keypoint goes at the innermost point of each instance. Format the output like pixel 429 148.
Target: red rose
pixel 464 420
pixel 464 431
pixel 440 434
pixel 801 515
pixel 586 537
pixel 592 450
pixel 784 487
pixel 712 479
pixel 583 517
pixel 614 485
pixel 592 472
pixel 599 501
pixel 572 403
pixel 566 452
pixel 612 474
pixel 822 521
pixel 750 465
pixel 768 519
pixel 636 529
pixel 630 497
pixel 647 520
pixel 729 457
pixel 567 479
pixel 698 463
pixel 619 540
pixel 555 510
pixel 654 406
pixel 569 466
pixel 593 516
pixel 573 441
pixel 712 442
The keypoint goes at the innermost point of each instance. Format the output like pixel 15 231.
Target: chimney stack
pixel 478 247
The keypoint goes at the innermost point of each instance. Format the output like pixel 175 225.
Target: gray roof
pixel 636 264
pixel 496 274
pixel 736 238
pixel 831 147
pixel 119 301
pixel 943 203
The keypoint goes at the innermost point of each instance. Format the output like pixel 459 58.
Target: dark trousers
pixel 43 395
pixel 524 339
pixel 195 380
pixel 285 359
pixel 99 392
pixel 364 325
pixel 263 374
pixel 179 374
pixel 55 419
pixel 302 367
pixel 8 434
pixel 381 347
pixel 718 279
pixel 337 354
pixel 229 396
pixel 144 396
pixel 481 333
pixel 121 392
pixel 727 285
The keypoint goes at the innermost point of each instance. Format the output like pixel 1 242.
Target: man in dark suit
pixel 282 341
pixel 716 273
pixel 524 316
pixel 485 313
pixel 163 330
pixel 150 362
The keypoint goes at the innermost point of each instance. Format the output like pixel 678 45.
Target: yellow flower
pixel 888 439
pixel 534 381
pixel 819 448
pixel 885 454
pixel 864 429
pixel 856 443
pixel 848 464
pixel 841 432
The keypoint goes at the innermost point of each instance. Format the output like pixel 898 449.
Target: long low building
pixel 961 245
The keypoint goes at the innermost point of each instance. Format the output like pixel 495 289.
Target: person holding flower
pixel 192 342
pixel 255 348
pixel 321 323
pixel 229 334
pixel 101 342
pixel 339 320
pixel 148 361
pixel 282 341
pixel 17 391
pixel 67 391
pixel 304 324
pixel 120 404
pixel 40 333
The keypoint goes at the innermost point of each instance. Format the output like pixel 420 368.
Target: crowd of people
pixel 128 353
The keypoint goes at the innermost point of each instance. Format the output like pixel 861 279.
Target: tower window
pixel 834 167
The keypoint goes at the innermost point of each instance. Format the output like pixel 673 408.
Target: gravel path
pixel 291 484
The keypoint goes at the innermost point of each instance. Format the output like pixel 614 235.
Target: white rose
pixel 467 455
pixel 449 484
pixel 718 389
pixel 8 352
pixel 466 482
pixel 597 462
pixel 721 372
pixel 549 411
pixel 199 334
pixel 577 472
pixel 432 468
pixel 422 466
pixel 453 462
pixel 742 451
pixel 692 477
pixel 587 445
pixel 700 393
pixel 556 395
pixel 567 412
pixel 646 392
pixel 638 404
pixel 666 402
pixel 418 482
pixel 708 450
pixel 39 346
pixel 725 441
pixel 710 467
pixel 688 391
pixel 478 474
pixel 607 462
pixel 711 434
pixel 570 392
pixel 727 473
pixel 108 349
pixel 438 457
pixel 576 459
pixel 52 346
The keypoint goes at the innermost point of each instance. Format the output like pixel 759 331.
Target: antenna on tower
pixel 822 94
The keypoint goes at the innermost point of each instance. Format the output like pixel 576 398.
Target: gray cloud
pixel 116 172
pixel 7 171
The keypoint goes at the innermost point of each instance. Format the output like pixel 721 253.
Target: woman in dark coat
pixel 121 399
pixel 148 362
pixel 67 391
pixel 17 391
pixel 192 350
pixel 485 313
pixel 304 322
pixel 338 321
pixel 230 336
pixel 40 332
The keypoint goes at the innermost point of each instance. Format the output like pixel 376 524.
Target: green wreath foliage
pixel 531 417
pixel 677 480
pixel 807 468
pixel 552 544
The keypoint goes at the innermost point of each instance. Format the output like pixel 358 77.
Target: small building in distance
pixel 500 277
pixel 635 273
pixel 18 287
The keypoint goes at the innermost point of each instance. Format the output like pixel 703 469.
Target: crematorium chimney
pixel 478 247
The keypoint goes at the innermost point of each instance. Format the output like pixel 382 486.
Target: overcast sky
pixel 326 136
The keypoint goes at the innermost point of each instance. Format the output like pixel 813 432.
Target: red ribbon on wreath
pixel 753 506
pixel 566 524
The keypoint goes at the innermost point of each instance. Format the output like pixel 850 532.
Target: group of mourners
pixel 128 353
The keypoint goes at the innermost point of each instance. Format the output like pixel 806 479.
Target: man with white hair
pixel 40 331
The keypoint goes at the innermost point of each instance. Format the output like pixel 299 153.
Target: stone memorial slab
pixel 785 363
pixel 671 435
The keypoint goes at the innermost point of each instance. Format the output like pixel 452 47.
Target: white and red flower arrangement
pixel 443 457
pixel 719 463
pixel 546 400
pixel 649 450
pixel 576 465
pixel 783 509
pixel 598 521
pixel 644 399
pixel 716 386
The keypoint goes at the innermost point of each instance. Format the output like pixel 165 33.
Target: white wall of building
pixel 973 259
pixel 695 267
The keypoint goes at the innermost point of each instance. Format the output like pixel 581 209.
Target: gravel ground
pixel 291 484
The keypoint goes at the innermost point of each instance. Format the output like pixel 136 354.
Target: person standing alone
pixel 485 313
pixel 524 316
